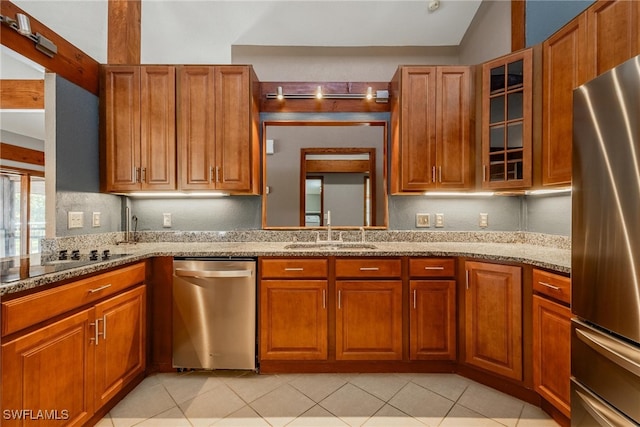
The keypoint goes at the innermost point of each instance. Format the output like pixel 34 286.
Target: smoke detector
pixel 433 5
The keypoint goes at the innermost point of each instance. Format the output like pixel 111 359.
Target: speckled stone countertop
pixel 549 252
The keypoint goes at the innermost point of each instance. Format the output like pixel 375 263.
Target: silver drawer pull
pixel 93 291
pixel 555 288
pixel 294 269
pixel 369 269
pixel 435 268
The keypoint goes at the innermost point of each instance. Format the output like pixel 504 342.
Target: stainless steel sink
pixel 331 246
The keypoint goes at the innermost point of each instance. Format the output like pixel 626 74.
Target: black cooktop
pixel 21 268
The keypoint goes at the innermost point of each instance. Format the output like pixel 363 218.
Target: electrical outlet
pixel 166 220
pixel 423 220
pixel 484 220
pixel 439 220
pixel 95 221
pixel 75 220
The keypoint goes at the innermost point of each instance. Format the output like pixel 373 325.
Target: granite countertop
pixel 548 257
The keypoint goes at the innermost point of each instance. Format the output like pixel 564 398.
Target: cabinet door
pixel 158 130
pixel 564 70
pixel 293 320
pixel 195 127
pixel 613 34
pixel 418 128
pixel 432 320
pixel 493 318
pixel 120 349
pixel 232 128
pixel 121 140
pixel 369 320
pixel 507 121
pixel 552 352
pixel 50 369
pixel 454 151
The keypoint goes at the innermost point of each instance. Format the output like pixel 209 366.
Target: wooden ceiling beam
pixel 22 94
pixel 70 62
pixel 123 37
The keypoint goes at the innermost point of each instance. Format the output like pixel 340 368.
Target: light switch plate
pixel 484 220
pixel 95 221
pixel 166 220
pixel 439 220
pixel 423 220
pixel 75 220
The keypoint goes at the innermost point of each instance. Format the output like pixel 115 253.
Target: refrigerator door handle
pixel 602 413
pixel 619 353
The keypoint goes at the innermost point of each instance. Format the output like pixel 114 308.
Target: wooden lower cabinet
pixel 50 369
pixel 120 349
pixel 552 352
pixel 493 318
pixel 369 320
pixel 432 319
pixel 62 373
pixel 293 319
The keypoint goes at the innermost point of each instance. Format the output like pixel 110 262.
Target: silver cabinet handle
pixel 95 332
pixel 212 273
pixel 440 267
pixel 144 174
pixel 104 327
pixel 414 299
pixel 210 173
pixel 439 173
pixel 548 285
pixel 217 174
pixel 369 268
pixel 339 299
pixel 93 291
pixel 433 174
pixel 467 278
pixel 293 269
pixel 324 298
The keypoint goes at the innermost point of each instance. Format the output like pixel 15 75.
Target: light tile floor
pixel 245 399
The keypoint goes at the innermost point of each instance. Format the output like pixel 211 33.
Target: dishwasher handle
pixel 181 272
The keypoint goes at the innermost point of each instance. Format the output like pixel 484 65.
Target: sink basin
pixel 331 246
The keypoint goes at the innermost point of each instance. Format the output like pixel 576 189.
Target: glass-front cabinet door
pixel 506 121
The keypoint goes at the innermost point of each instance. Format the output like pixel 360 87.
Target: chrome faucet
pixel 329 232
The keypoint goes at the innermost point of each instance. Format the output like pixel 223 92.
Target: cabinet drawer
pixel 553 285
pixel 294 268
pixel 368 267
pixel 32 309
pixel 432 267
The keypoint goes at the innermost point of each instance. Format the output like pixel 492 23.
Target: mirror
pixel 314 167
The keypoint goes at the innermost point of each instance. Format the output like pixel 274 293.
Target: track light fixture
pixel 380 96
pixel 23 26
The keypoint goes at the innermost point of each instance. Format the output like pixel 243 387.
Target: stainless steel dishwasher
pixel 214 313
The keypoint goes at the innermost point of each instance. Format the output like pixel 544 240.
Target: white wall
pixel 489 35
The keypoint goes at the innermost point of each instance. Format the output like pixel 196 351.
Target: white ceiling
pixel 206 29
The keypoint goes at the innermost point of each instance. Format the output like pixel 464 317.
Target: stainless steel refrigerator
pixel 605 267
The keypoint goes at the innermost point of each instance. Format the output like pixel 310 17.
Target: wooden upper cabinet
pixel 613 34
pixel 431 129
pixel 138 143
pixel 563 57
pixel 507 104
pixel 217 129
